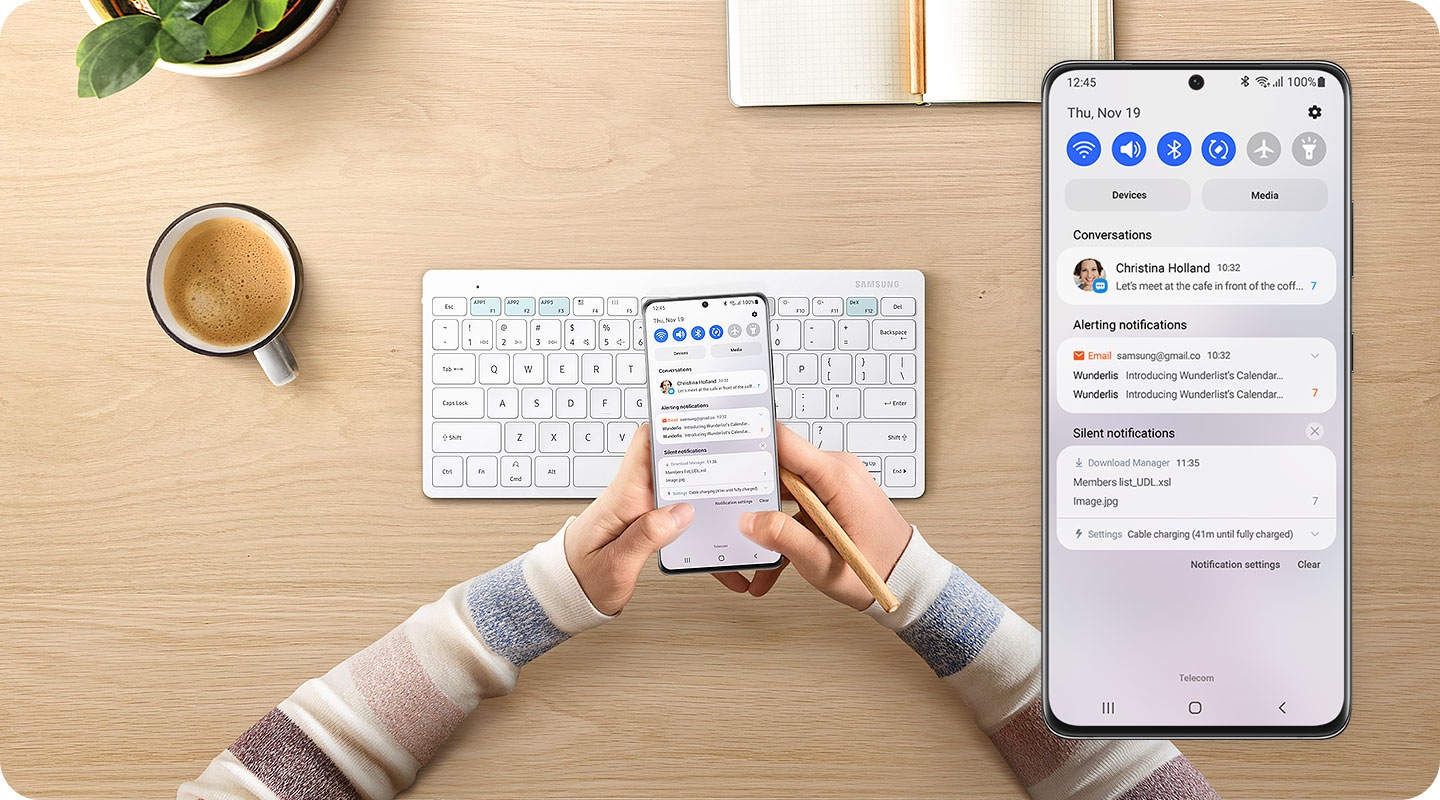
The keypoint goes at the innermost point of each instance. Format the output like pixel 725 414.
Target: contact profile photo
pixel 666 387
pixel 1086 273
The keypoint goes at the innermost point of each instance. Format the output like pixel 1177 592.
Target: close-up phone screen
pixel 1197 348
pixel 712 425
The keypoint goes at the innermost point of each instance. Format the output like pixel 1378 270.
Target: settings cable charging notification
pixel 1197 399
pixel 712 425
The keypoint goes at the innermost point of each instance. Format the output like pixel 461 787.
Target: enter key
pixel 890 403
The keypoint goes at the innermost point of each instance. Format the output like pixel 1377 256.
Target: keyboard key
pixel 545 334
pixel 801 429
pixel 777 368
pixel 897 307
pixel 624 306
pixel 552 471
pixel 819 334
pixel 827 307
pixel 861 306
pixel 448 306
pixel 502 402
pixel 447 471
pixel 630 369
pixel 529 369
pixel 637 405
pixel 510 335
pixel 900 471
pixel 869 369
pixel 881 437
pixel 482 471
pixel 494 368
pixel 461 403
pixel 596 471
pixel 589 437
pixel 896 334
pixel 572 403
pixel 445 334
pixel 537 402
pixel 784 403
pixel 810 403
pixel 485 307
pixel 890 403
pixel 554 306
pixel 465 437
pixel 597 369
pixel 519 437
pixel 873 466
pixel 828 435
pixel 605 403
pixel 902 368
pixel 785 334
pixel 802 368
pixel 793 306
pixel 515 471
pixel 836 368
pixel 615 334
pixel 854 334
pixel 589 307
pixel 845 403
pixel 477 334
pixel 618 435
pixel 452 368
pixel 580 334
pixel 563 368
pixel 555 437
pixel 519 306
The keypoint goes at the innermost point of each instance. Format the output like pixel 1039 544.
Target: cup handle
pixel 277 361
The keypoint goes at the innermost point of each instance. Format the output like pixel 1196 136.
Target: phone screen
pixel 1197 348
pixel 712 425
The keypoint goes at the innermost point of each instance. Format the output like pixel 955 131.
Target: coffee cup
pixel 224 280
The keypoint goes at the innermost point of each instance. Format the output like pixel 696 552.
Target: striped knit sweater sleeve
pixel 365 728
pixel 991 658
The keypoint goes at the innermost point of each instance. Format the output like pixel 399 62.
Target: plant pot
pixel 304 25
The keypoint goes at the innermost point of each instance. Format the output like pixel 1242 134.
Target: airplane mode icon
pixel 1264 151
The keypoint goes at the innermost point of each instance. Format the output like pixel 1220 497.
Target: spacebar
pixel 596 470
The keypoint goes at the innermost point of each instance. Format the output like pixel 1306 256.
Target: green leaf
pixel 269 13
pixel 184 9
pixel 116 54
pixel 231 27
pixel 181 41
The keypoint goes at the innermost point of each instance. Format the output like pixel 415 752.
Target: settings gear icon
pixel 1314 112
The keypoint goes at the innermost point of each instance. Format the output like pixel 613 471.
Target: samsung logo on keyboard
pixel 877 284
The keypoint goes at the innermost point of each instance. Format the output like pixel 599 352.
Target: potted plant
pixel 212 38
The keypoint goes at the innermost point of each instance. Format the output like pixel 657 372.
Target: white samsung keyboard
pixel 534 380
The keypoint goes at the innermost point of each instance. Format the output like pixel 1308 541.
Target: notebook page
pixel 808 52
pixel 999 50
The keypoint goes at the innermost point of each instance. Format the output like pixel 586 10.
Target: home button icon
pixel 1194 706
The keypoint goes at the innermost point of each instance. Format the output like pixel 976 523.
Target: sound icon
pixel 1129 149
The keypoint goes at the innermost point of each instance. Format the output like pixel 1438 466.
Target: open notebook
pixel 813 52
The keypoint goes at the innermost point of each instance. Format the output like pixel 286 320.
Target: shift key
pixel 880 437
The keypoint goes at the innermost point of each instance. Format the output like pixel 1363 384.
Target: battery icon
pixel 1321 82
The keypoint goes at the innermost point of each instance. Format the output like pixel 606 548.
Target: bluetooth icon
pixel 1174 148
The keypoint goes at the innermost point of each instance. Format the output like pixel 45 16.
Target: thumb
pixel 652 531
pixel 782 533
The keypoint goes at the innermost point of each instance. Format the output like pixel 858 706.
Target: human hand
pixel 614 537
pixel 855 500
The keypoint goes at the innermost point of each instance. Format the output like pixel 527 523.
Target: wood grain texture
pixel 183 544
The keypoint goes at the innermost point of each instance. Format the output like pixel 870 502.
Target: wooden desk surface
pixel 184 544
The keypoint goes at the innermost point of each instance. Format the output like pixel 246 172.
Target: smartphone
pixel 712 425
pixel 1197 348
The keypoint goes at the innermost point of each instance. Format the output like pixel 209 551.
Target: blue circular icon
pixel 697 333
pixel 678 334
pixel 661 335
pixel 1128 149
pixel 1173 148
pixel 716 331
pixel 1100 285
pixel 1219 149
pixel 1084 149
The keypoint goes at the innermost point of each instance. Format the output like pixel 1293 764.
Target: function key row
pixel 630 306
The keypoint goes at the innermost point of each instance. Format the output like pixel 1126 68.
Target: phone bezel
pixel 1056 725
pixel 774 444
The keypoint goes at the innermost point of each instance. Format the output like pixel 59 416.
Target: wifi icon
pixel 1084 149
